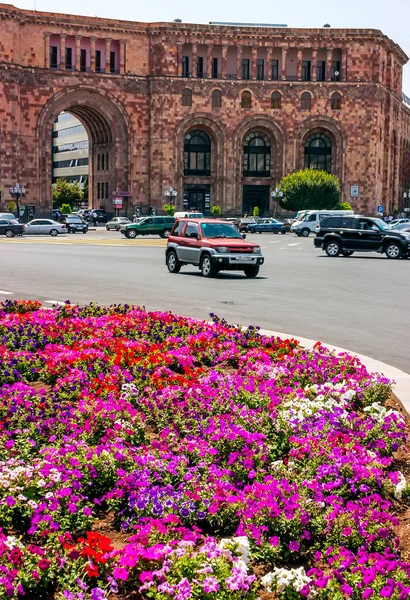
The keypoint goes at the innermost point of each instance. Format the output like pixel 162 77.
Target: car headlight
pixel 222 249
pixel 257 250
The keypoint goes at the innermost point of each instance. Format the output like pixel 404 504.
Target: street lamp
pixel 276 194
pixel 16 192
pixel 171 195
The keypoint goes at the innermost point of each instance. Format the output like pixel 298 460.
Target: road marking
pixel 55 302
pixel 295 244
pixel 6 293
pixel 275 242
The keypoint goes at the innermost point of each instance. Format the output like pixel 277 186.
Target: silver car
pixel 116 223
pixel 44 227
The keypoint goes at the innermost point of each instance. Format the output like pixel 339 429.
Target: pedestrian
pixel 94 215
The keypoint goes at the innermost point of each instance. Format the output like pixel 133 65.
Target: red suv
pixel 213 246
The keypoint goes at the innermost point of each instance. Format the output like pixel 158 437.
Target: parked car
pixel 244 223
pixel 100 215
pixel 403 227
pixel 213 246
pixel 8 216
pixel 311 220
pixel 44 227
pixel 74 223
pixel 345 235
pixel 10 227
pixel 149 226
pixel 396 222
pixel 116 223
pixel 268 226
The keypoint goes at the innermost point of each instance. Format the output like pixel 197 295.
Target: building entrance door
pixel 197 197
pixel 255 195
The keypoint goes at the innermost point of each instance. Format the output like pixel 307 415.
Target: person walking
pixel 94 216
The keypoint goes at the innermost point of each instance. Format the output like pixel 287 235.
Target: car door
pixel 3 224
pixel 158 225
pixel 345 227
pixel 369 235
pixel 33 227
pixel 190 243
pixel 146 226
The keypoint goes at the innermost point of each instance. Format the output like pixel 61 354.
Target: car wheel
pixel 131 234
pixel 252 230
pixel 260 232
pixel 9 233
pixel 333 248
pixel 275 231
pixel 107 228
pixel 54 232
pixel 251 271
pixel 173 264
pixel 305 232
pixel 85 230
pixel 347 252
pixel 299 234
pixel 393 250
pixel 166 233
pixel 207 267
pixel 283 231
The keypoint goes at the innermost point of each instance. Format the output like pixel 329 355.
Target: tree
pixel 65 192
pixel 309 189
pixel 216 210
pixel 12 206
pixel 169 209
pixel 256 211
pixel 344 206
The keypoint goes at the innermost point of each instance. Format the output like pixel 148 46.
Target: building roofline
pixel 175 28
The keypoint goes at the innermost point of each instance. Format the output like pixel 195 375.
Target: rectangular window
pixel 321 70
pixel 336 70
pixel 68 58
pixel 306 70
pixel 112 62
pixel 102 162
pixel 98 191
pixel 260 69
pixel 245 68
pixel 106 191
pixel 214 68
pixel 275 70
pixel 53 57
pixel 83 59
pixel 98 60
pixel 200 66
pixel 98 161
pixel 185 66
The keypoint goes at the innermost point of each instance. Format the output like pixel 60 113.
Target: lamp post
pixel 16 192
pixel 170 195
pixel 276 194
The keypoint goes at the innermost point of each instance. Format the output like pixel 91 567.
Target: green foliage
pixel 67 194
pixel 216 210
pixel 344 206
pixel 66 209
pixel 12 206
pixel 169 209
pixel 255 212
pixel 309 189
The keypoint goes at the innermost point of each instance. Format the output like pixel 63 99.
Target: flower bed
pixel 148 455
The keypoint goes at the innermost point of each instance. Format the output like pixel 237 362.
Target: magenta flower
pixel 294 546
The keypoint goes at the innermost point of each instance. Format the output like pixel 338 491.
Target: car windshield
pixel 123 219
pixel 219 230
pixel 383 226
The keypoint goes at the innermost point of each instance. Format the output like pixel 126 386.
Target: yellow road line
pixel 85 242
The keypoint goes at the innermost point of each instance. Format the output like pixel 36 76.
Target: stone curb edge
pixel 401 388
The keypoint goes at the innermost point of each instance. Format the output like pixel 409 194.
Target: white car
pixel 44 227
pixel 396 222
pixel 116 223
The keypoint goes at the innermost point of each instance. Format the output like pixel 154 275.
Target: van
pixel 188 215
pixel 312 218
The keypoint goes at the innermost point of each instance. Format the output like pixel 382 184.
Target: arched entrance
pixel 107 128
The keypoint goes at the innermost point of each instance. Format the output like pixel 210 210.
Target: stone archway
pixel 108 130
pixel 216 131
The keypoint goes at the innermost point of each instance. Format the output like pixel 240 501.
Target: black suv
pixel 345 235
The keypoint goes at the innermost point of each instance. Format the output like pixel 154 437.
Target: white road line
pixel 6 293
pixel 55 302
pixel 295 244
pixel 275 242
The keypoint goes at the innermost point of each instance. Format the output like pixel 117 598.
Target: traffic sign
pixel 380 209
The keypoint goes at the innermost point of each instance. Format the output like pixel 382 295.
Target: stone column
pixel 194 53
pixel 179 59
pixel 343 66
pixel 224 60
pixel 299 66
pixel 92 54
pixel 283 61
pixel 47 50
pixel 107 54
pixel 239 62
pixel 269 50
pixel 314 65
pixel 253 62
pixel 78 39
pixel 209 62
pixel 62 50
pixel 122 56
pixel 329 56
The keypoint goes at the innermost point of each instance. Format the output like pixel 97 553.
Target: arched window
pixel 256 155
pixel 318 152
pixel 216 99
pixel 306 101
pixel 186 97
pixel 336 101
pixel 246 100
pixel 197 154
pixel 276 100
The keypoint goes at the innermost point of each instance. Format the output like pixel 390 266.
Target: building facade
pixel 218 112
pixel 70 149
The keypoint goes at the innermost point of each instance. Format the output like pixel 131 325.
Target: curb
pixel 401 387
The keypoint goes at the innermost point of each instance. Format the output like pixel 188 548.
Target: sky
pixel 392 17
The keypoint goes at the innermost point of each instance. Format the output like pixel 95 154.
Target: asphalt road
pixel 360 303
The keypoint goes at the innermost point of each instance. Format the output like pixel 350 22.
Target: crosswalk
pixel 83 241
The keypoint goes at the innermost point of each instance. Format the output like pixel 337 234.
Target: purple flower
pixel 367 593
pixel 97 594
pixel 10 501
pixel 210 585
pixel 294 546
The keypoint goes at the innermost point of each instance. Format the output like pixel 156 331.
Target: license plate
pixel 243 259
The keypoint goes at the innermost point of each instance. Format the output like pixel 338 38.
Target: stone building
pixel 218 112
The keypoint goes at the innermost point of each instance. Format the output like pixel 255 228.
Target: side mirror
pixel 244 236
